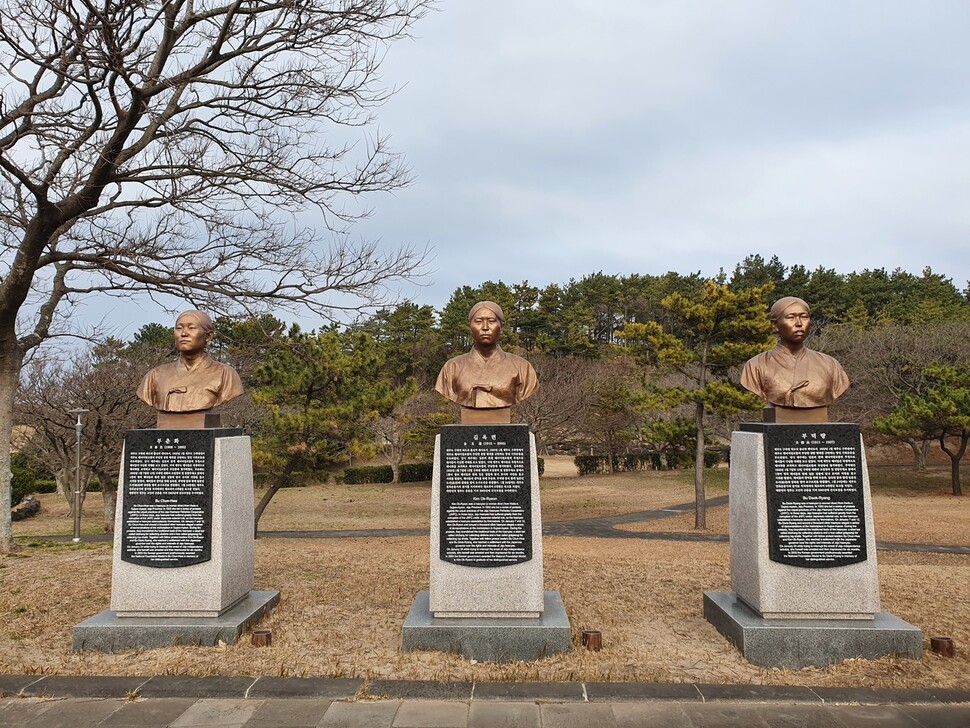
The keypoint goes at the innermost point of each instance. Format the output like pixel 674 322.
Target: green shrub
pixel 712 457
pixel 680 459
pixel 590 464
pixel 24 476
pixel 416 472
pixel 45 486
pixel 639 461
pixel 302 478
pixel 368 474
pixel 297 479
pixel 541 463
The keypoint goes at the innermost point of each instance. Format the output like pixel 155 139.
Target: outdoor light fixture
pixel 77 474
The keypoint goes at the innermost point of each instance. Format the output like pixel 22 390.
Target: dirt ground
pixel 344 600
pixel 941 520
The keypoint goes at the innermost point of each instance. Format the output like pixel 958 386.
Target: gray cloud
pixel 551 139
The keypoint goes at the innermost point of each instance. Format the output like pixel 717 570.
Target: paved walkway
pixel 184 702
pixel 602 527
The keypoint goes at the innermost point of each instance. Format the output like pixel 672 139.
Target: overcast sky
pixel 550 139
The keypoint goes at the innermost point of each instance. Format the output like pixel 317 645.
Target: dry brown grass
pixel 899 516
pixel 941 520
pixel 344 601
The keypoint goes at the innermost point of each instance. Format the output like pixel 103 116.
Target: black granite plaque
pixel 486 495
pixel 816 506
pixel 167 496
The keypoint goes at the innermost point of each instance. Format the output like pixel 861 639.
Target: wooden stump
pixel 942 646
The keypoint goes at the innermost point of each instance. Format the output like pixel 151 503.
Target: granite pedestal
pixel 778 590
pixel 173 582
pixel 798 643
pixel 493 639
pixel 107 632
pixel 514 590
pixel 803 567
pixel 485 509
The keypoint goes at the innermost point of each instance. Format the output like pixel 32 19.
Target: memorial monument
pixel 182 570
pixel 803 549
pixel 486 598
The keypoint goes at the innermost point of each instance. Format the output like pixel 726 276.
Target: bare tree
pixel 886 363
pixel 410 429
pixel 42 407
pixel 558 411
pixel 162 147
pixel 101 381
pixel 612 420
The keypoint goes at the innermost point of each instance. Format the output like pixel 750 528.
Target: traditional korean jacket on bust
pixel 474 381
pixel 807 379
pixel 176 388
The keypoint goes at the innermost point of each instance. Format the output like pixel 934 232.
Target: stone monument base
pixel 493 639
pixel 798 643
pixel 203 419
pixel 468 590
pixel 793 415
pixel 810 590
pixel 204 587
pixel 107 632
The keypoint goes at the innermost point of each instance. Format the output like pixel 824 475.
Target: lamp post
pixel 78 426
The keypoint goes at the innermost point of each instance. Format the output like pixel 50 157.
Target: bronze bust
pixel 486 378
pixel 195 382
pixel 791 375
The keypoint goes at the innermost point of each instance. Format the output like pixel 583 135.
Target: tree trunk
pixel 700 499
pixel 71 482
pixel 10 360
pixel 14 288
pixel 920 449
pixel 109 497
pixel 955 457
pixel 280 481
pixel 63 479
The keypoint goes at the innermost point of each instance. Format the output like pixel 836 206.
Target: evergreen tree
pixel 717 331
pixel 318 392
pixel 941 411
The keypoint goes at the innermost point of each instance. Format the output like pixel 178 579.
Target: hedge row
pixel 49 486
pixel 23 485
pixel 592 464
pixel 410 473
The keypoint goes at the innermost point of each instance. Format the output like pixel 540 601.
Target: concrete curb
pixel 351 689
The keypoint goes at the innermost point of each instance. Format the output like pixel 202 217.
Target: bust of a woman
pixel 486 378
pixel 792 375
pixel 195 382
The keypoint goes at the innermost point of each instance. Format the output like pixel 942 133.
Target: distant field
pixel 565 496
